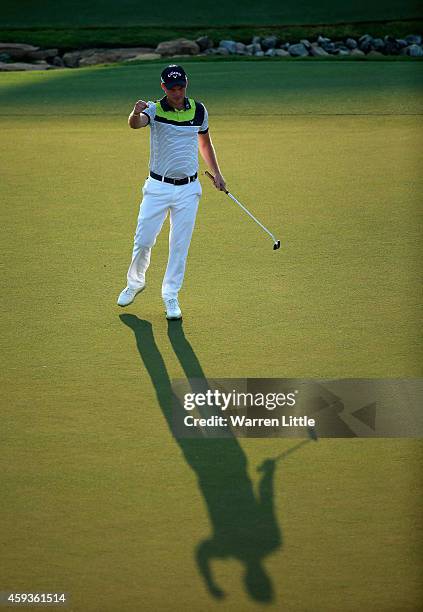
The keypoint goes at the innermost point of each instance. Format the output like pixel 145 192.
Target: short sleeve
pixel 205 125
pixel 150 111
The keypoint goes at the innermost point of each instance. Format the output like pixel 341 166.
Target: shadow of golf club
pixel 244 525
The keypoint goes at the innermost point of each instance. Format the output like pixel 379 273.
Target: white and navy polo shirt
pixel 174 137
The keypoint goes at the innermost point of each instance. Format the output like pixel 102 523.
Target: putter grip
pixel 211 177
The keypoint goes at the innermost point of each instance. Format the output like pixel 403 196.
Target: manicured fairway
pixel 97 498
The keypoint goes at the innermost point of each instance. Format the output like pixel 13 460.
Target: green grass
pixel 97 497
pixel 61 13
pixel 66 24
pixel 151 36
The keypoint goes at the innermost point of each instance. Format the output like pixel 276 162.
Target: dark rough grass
pixel 85 37
pixel 78 13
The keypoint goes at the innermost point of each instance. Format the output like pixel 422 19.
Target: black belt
pixel 173 181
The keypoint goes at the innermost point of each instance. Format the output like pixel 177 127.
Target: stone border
pixel 16 57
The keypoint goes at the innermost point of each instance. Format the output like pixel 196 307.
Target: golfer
pixel 179 127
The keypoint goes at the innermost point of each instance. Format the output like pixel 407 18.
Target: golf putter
pixel 276 243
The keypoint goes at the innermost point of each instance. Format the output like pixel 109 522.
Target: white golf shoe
pixel 173 312
pixel 127 296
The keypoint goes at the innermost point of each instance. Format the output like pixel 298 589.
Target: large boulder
pixel 17 51
pixel 328 46
pixel 230 45
pixel 298 50
pixel 204 42
pixel 253 49
pixel 90 57
pixel 282 53
pixel 21 66
pixel 317 51
pixel 378 44
pixel 415 51
pixel 392 47
pixel 71 59
pixel 269 42
pixel 365 43
pixel 180 46
pixel 306 43
pixel 42 54
pixel 110 56
pixel 414 39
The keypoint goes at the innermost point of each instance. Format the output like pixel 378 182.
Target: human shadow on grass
pixel 244 524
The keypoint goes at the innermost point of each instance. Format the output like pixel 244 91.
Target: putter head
pixel 277 245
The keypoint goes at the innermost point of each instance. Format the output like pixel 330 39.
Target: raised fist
pixel 139 107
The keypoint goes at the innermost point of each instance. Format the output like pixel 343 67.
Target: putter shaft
pixel 276 243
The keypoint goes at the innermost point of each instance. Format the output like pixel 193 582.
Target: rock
pixel 259 54
pixel 391 46
pixel 343 52
pixel 71 59
pixel 91 57
pixel 270 52
pixel 365 43
pixel 222 51
pixel 42 54
pixel 240 48
pixel 341 46
pixel 413 39
pixel 17 51
pixel 180 46
pixel 230 45
pixel 285 46
pixel 329 47
pixel 144 57
pixel 323 39
pixel 350 43
pixel 317 51
pixel 306 43
pixel 374 53
pixel 4 57
pixel 204 42
pixel 357 53
pixel 282 53
pixel 57 61
pixel 269 42
pixel 415 51
pixel 21 66
pixel 378 44
pixel 402 43
pixel 256 40
pixel 298 50
pixel 254 48
pixel 210 52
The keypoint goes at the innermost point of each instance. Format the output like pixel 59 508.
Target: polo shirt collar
pixel 167 107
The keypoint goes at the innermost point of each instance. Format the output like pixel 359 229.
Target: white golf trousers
pixel 159 198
